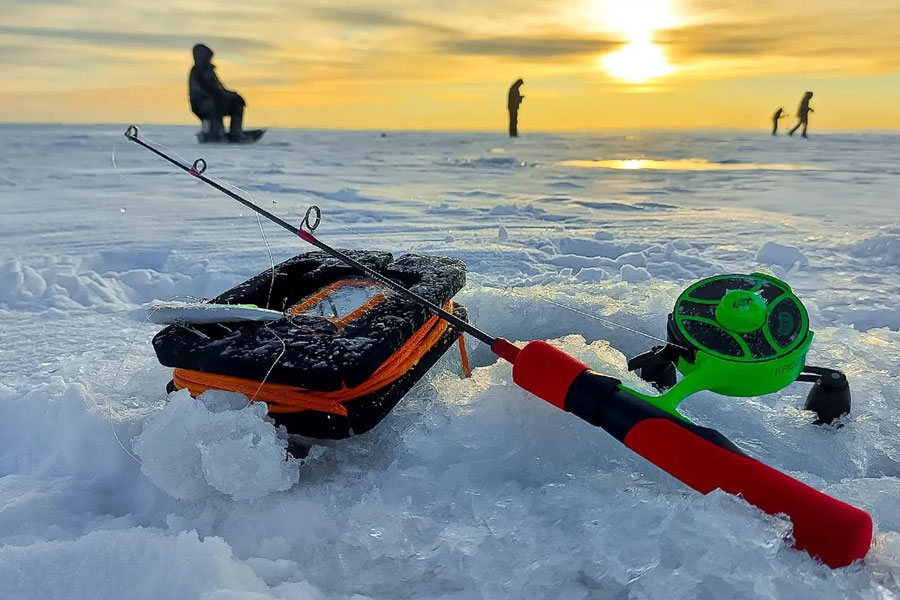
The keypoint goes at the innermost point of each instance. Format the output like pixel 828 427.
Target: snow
pixel 469 488
pixel 786 257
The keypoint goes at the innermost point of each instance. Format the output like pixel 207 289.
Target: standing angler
pixel 513 102
pixel 210 100
pixel 803 114
pixel 779 114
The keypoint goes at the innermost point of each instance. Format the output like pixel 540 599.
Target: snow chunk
pixel 635 259
pixel 193 449
pixel 20 283
pixel 591 275
pixel 786 257
pixel 633 274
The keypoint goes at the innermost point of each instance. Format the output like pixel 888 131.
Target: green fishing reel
pixel 739 335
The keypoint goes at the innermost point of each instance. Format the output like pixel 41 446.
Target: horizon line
pixel 761 128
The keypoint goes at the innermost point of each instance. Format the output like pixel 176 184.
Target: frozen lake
pixel 470 488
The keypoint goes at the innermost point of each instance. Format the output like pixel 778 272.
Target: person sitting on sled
pixel 210 100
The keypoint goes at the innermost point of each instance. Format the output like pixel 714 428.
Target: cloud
pixel 527 47
pixel 322 54
pixel 721 39
pixel 31 55
pixel 371 18
pixel 818 35
pixel 135 39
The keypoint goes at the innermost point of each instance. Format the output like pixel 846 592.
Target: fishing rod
pixel 199 168
pixel 829 530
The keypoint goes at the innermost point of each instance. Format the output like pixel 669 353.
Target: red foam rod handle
pixel 833 531
pixel 546 372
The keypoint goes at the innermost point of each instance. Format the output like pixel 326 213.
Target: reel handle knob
pixel 829 396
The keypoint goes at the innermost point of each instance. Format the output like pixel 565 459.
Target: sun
pixel 637 62
pixel 640 59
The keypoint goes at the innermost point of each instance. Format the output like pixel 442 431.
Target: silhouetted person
pixel 779 114
pixel 513 102
pixel 803 114
pixel 210 99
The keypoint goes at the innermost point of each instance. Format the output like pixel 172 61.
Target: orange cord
pixel 464 357
pixel 287 398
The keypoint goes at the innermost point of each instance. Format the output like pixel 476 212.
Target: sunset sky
pixel 422 64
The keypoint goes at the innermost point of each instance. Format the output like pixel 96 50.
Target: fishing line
pixel 125 357
pixel 602 320
pixel 369 238
pixel 199 168
pixel 114 164
pixel 153 310
pixel 121 366
pixel 259 223
pixel 277 358
pixel 237 189
pixel 262 232
pixel 182 296
pixel 449 250
pixel 112 425
pixel 121 174
pixel 609 323
pixel 224 183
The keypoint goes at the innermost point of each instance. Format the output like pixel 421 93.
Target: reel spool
pixel 739 335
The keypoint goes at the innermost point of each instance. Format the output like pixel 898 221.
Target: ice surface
pixel 470 488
